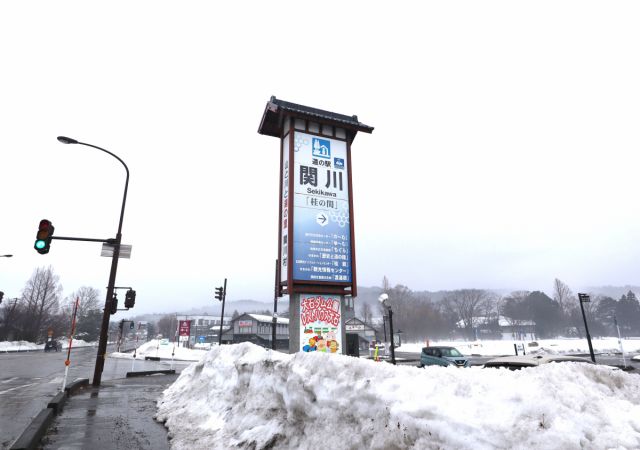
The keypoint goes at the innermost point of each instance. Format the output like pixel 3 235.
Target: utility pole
pixel 584 298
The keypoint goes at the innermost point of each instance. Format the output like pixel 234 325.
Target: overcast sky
pixel 505 150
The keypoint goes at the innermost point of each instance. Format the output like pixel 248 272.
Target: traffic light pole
pixel 224 296
pixel 102 344
pixel 586 329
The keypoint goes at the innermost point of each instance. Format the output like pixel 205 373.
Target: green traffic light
pixel 40 244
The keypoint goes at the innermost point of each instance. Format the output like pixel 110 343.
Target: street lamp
pixel 584 298
pixel 6 256
pixel 384 299
pixel 102 344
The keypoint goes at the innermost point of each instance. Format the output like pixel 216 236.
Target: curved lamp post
pixel 102 344
pixel 384 299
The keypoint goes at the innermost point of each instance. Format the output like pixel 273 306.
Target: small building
pixel 359 335
pixel 257 328
pixel 509 328
pixel 205 328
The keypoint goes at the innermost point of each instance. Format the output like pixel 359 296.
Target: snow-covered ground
pixel 244 396
pixel 504 347
pixel 17 346
pixel 162 348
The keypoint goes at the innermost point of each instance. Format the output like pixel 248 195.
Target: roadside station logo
pixel 321 148
pixel 338 163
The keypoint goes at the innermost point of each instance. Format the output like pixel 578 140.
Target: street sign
pixel 184 328
pixel 584 298
pixel 125 250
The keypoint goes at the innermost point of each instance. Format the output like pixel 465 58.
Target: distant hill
pixel 365 295
pixel 242 306
pixel 614 292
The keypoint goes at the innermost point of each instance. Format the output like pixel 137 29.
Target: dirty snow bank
pixel 164 350
pixel 243 396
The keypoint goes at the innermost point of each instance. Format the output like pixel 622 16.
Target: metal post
pixel 586 328
pixel 615 321
pixel 224 296
pixel 393 351
pixel 67 362
pixel 384 327
pixel 102 344
pixel 275 310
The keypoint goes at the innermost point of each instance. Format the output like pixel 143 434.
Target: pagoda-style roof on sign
pixel 276 110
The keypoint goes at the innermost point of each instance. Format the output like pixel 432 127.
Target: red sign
pixel 184 328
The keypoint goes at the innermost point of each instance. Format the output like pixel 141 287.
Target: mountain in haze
pixel 614 292
pixel 365 295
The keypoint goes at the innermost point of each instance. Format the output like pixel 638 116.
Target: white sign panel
pixel 321 228
pixel 284 220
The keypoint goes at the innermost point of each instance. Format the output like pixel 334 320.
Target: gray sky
pixel 504 154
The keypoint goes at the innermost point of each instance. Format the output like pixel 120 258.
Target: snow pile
pixel 549 346
pixel 16 346
pixel 162 349
pixel 76 343
pixel 243 396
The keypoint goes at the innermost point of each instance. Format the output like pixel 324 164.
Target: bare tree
pixel 467 304
pixel 167 326
pixel 563 295
pixel 367 312
pixel 10 315
pixel 41 297
pixel 89 301
pixel 385 284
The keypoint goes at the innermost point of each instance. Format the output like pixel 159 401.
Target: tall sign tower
pixel 316 252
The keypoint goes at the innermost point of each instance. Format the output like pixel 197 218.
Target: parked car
pixel 52 345
pixel 519 362
pixel 443 356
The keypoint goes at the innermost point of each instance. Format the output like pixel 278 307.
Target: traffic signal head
pixel 114 304
pixel 131 326
pixel 130 299
pixel 219 293
pixel 43 238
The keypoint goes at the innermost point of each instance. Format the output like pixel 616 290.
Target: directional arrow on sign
pixel 322 219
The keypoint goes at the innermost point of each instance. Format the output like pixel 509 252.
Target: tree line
pixel 475 313
pixel 41 309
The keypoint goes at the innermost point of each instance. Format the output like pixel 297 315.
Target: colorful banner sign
pixel 184 328
pixel 320 323
pixel 321 228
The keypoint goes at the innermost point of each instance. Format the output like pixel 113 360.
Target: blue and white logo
pixel 321 148
pixel 338 163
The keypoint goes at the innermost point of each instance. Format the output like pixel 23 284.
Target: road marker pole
pixel 67 362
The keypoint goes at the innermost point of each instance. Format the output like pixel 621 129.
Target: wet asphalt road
pixel 28 380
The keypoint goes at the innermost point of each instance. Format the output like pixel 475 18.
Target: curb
pixel 75 385
pixel 57 402
pixel 150 372
pixel 31 436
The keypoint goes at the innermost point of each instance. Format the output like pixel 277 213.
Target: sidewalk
pixel 117 415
